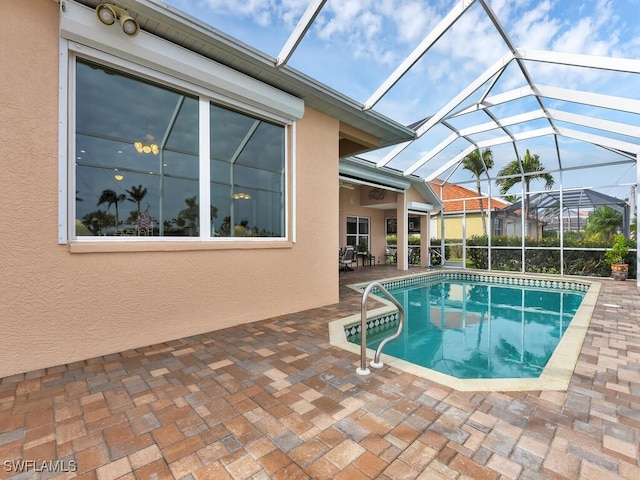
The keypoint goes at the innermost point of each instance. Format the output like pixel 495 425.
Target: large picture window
pixel 138 165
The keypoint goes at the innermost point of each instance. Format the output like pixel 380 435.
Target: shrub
pixel 589 260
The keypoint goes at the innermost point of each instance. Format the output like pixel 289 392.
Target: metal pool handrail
pixel 375 363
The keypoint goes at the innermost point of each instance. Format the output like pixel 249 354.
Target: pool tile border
pixel 555 376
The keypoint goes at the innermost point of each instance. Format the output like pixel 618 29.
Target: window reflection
pixel 120 188
pixel 137 162
pixel 247 175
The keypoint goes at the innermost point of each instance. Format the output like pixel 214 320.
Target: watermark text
pixel 56 466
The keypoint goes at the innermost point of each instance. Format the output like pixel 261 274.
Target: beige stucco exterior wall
pixel 350 206
pixel 57 306
pixel 453 226
pixel 512 226
pixel 356 202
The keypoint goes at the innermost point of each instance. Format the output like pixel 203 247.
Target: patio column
pixel 425 241
pixel 402 215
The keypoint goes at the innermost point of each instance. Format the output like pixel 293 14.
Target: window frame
pixel 358 235
pixel 67 172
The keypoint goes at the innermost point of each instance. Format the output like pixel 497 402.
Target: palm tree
pixel 525 170
pixel 98 221
pixel 478 163
pixel 603 222
pixel 110 197
pixel 188 217
pixel 136 195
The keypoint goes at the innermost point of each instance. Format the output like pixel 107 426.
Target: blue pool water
pixel 470 329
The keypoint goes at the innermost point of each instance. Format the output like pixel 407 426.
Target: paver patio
pixel 273 400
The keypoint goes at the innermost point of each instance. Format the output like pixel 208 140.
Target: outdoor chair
pixel 347 258
pixel 390 255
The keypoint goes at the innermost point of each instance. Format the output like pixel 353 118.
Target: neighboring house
pixel 463 216
pixel 170 183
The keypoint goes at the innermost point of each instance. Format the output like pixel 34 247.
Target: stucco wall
pixel 376 222
pixel 453 226
pixel 58 307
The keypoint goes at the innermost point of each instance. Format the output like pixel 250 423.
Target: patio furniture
pixel 347 257
pixel 390 255
pixel 367 258
pixel 414 255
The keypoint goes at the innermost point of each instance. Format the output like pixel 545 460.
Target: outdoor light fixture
pixel 118 176
pixel 241 196
pixel 107 13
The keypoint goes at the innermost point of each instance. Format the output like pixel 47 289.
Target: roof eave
pixel 170 23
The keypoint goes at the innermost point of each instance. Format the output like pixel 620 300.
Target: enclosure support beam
pixel 561 228
pixel 299 32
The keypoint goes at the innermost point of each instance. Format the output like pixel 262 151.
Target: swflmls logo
pixel 57 466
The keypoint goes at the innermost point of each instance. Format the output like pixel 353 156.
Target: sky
pixel 354 45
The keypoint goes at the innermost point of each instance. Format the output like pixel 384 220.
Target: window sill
pixel 173 246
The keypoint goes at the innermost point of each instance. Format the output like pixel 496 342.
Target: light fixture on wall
pixel 377 194
pixel 107 13
pixel 241 196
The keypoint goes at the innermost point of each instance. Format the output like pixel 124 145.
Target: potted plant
pixel 615 257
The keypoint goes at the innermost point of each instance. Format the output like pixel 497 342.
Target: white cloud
pixel 472 44
pixel 534 28
pixel 264 13
pixel 413 20
pixel 382 31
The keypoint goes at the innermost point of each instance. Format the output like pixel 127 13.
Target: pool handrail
pixel 375 363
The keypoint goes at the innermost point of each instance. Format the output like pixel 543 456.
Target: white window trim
pixel 64 204
pixel 358 235
pixel 181 69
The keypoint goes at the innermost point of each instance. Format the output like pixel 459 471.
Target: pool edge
pixel 555 376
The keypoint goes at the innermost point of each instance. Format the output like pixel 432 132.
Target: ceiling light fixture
pixel 148 146
pixel 241 196
pixel 107 13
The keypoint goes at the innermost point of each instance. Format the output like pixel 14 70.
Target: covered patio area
pixel 272 399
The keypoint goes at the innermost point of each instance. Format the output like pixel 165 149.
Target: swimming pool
pixel 481 331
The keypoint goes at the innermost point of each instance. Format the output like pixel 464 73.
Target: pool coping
pixel 556 374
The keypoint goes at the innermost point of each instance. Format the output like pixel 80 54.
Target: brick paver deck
pixel 273 400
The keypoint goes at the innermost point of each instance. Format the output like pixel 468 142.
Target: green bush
pixel 414 240
pixel 546 260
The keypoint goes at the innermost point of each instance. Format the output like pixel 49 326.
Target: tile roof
pixel 453 198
